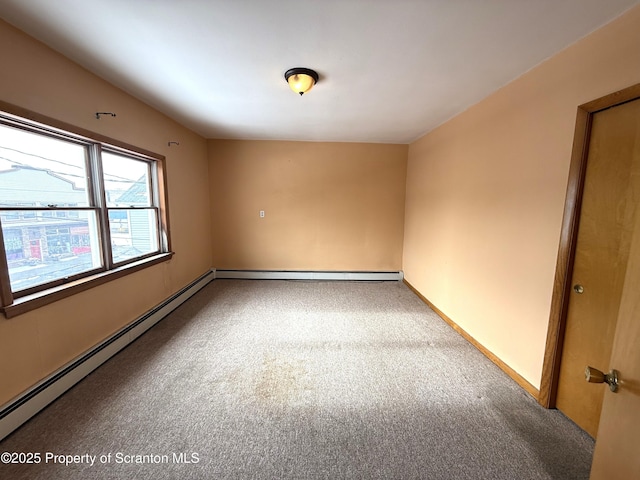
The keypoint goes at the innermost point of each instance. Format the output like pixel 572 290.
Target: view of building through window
pixel 54 209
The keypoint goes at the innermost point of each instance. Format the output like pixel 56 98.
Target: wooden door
pixel 607 223
pixel 617 453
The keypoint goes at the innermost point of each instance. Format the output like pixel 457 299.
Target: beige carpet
pixel 300 380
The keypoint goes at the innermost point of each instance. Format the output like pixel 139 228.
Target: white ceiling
pixel 390 70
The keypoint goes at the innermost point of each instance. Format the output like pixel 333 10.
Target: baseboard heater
pixel 22 408
pixel 308 275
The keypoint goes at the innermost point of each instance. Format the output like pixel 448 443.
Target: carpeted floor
pixel 300 380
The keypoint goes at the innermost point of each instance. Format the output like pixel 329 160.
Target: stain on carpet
pixel 282 380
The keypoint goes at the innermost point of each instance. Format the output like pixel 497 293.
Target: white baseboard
pixel 308 275
pixel 22 408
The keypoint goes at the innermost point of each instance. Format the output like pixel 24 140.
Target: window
pixel 75 209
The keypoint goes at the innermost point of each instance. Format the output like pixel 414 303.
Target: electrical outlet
pixel 261 213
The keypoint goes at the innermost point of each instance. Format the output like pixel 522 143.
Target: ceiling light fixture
pixel 301 80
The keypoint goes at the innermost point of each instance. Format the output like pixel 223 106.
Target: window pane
pixel 126 181
pixel 43 249
pixel 133 233
pixel 39 170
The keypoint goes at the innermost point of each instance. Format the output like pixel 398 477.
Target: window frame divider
pixel 99 199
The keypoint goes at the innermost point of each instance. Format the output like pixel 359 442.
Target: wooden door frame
pixel 568 238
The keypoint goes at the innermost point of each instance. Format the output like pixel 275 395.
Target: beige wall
pixel 485 195
pixel 35 344
pixel 328 206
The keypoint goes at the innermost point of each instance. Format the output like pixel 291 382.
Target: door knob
pixel 593 375
pixel 578 288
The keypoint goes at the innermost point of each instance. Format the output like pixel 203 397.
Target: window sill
pixel 31 302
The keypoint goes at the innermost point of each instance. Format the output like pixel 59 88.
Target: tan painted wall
pixel 35 344
pixel 328 206
pixel 485 195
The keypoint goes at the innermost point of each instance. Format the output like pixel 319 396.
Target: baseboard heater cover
pixel 308 275
pixel 21 409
